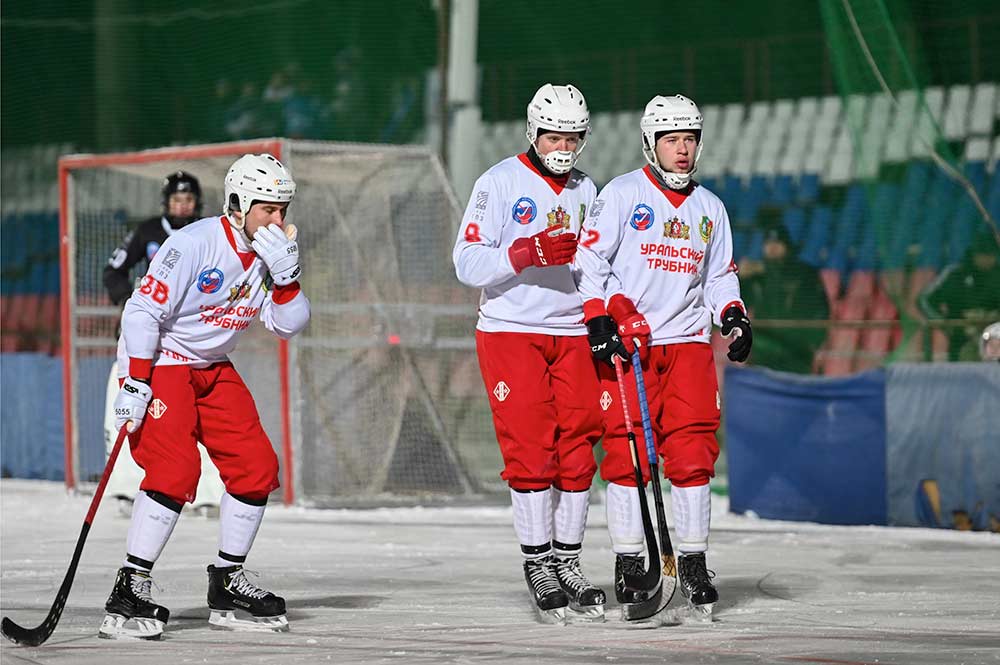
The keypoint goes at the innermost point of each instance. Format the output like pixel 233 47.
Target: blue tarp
pixel 943 444
pixel 806 448
pixel 31 416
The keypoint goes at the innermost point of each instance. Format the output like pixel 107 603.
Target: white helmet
pixel 560 108
pixel 670 114
pixel 256 178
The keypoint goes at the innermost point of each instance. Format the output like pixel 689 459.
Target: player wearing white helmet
pixel 656 257
pixel 516 242
pixel 204 287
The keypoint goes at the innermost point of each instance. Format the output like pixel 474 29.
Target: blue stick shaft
pixel 647 426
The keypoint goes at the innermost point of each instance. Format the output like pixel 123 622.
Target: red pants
pixel 683 395
pixel 544 394
pixel 210 405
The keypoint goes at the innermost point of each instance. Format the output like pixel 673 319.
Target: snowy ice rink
pixel 444 585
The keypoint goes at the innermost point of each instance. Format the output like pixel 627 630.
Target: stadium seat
pixel 874 136
pixel 838 358
pixel 839 169
pixel 929 116
pixel 794 219
pixel 955 123
pixel 876 342
pixel 897 147
pixel 808 190
pixel 814 248
pixel 983 109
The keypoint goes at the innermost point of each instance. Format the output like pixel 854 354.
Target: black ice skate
pixel 637 604
pixel 231 596
pixel 549 600
pixel 585 600
pixel 131 610
pixel 696 584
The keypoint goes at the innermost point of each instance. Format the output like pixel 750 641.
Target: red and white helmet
pixel 670 114
pixel 559 108
pixel 254 178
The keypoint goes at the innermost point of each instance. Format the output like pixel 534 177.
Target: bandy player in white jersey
pixel 657 250
pixel 204 287
pixel 516 242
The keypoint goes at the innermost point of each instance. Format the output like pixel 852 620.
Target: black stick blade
pixel 29 637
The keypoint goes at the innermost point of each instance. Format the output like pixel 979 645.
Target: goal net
pixel 380 399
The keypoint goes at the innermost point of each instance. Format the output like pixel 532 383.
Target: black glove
pixel 734 319
pixel 605 344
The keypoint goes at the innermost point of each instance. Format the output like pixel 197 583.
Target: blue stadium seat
pixel 755 246
pixel 808 190
pixel 782 190
pixel 885 204
pixel 795 221
pixel 814 247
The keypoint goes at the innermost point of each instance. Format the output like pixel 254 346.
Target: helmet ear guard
pixel 670 114
pixel 254 178
pixel 558 108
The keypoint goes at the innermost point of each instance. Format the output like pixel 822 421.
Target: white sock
pixel 692 517
pixel 624 519
pixel 152 524
pixel 533 521
pixel 238 524
pixel 570 519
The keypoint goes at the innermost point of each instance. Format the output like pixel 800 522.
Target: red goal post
pixel 379 400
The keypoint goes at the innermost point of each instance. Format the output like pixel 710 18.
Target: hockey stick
pixel 649 580
pixel 666 549
pixel 33 637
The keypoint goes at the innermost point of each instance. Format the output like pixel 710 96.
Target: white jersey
pixel 204 287
pixel 670 253
pixel 514 200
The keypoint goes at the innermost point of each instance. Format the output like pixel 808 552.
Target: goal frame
pixel 67 291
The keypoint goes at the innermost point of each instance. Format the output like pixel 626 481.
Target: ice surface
pixel 444 585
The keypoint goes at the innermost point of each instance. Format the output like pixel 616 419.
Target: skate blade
pixel 118 627
pixel 555 617
pixel 701 613
pixel 585 613
pixel 227 620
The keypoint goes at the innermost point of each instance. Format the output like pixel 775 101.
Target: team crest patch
pixel 675 228
pixel 524 210
pixel 558 217
pixel 501 391
pixel 705 229
pixel 642 217
pixel 210 280
pixel 157 408
pixel 605 400
pixel 239 292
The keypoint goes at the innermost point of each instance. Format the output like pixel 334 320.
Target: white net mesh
pixel 385 401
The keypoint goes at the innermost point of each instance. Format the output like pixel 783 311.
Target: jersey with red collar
pixel 204 287
pixel 515 200
pixel 670 252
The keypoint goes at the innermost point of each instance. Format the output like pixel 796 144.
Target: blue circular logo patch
pixel 524 211
pixel 210 280
pixel 642 217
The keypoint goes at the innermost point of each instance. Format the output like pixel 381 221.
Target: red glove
pixel 632 326
pixel 550 247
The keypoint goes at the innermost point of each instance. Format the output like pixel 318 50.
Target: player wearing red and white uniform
pixel 656 256
pixel 205 286
pixel 516 242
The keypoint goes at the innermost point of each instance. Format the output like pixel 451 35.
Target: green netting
pixel 822 120
pixel 927 202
